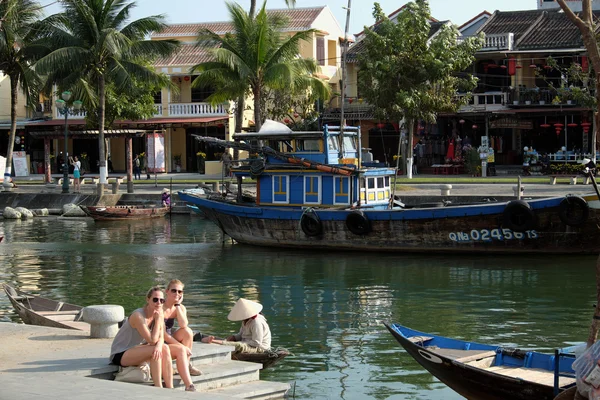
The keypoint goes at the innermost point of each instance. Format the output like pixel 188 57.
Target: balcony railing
pixel 80 115
pixel 488 101
pixel 196 109
pixel 502 41
pixel 158 110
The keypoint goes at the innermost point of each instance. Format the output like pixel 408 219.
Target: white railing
pixel 196 109
pixel 504 41
pixel 158 110
pixel 486 101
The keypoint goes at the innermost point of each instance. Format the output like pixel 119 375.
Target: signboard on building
pixel 511 123
pixel 155 153
pixel 20 163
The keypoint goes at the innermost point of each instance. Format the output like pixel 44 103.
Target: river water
pixel 327 308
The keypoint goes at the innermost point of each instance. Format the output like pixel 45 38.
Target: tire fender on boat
pixel 358 223
pixel 574 211
pixel 518 216
pixel 311 224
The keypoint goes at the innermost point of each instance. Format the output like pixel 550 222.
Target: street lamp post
pixel 63 109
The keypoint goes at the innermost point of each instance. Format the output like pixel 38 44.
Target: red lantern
pixel 586 126
pixel 545 126
pixel 518 66
pixel 287 120
pixel 558 128
pixel 350 100
pixel 380 125
pixel 296 115
pixel 186 78
pixel 462 121
pixel 474 126
pixel 512 66
pixel 572 125
pixel 584 63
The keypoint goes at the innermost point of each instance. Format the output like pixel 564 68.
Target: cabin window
pixel 342 190
pixel 387 181
pixel 333 143
pixel 371 183
pixel 312 190
pixel 380 184
pixel 281 189
pixel 308 145
pixel 349 143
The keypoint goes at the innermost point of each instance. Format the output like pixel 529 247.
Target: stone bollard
pixel 516 191
pixel 215 186
pixel 445 189
pixel 104 320
pixel 115 187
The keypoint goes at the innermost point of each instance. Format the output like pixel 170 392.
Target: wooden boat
pixel 119 213
pixel 36 310
pixel 268 359
pixel 310 197
pixel 481 371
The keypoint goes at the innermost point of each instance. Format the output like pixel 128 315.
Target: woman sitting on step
pixel 175 311
pixel 254 335
pixel 141 339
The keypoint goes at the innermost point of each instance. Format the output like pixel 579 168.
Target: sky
pixel 185 11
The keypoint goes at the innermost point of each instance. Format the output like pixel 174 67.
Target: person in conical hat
pixel 166 197
pixel 254 335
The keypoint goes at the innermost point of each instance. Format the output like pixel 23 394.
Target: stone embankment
pixel 48 363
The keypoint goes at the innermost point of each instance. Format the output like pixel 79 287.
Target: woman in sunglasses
pixel 175 311
pixel 141 339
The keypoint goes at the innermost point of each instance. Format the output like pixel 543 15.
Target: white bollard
pixel 445 189
pixel 104 320
pixel 516 191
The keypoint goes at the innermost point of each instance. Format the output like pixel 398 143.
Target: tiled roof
pixel 517 22
pixel 299 19
pixel 358 47
pixel 553 31
pixel 188 55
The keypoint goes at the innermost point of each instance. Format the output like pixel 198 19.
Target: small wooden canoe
pixel 268 359
pixel 36 310
pixel 119 213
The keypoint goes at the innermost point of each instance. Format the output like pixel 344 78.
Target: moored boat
pixel 37 310
pixel 119 213
pixel 311 194
pixel 480 371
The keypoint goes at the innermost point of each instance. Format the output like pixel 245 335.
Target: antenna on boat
pixel 343 83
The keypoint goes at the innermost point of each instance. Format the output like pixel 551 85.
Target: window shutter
pixel 321 50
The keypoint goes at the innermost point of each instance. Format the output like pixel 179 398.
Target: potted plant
pixel 565 95
pixel 201 158
pixel 177 162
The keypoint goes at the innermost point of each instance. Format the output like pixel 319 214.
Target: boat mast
pixel 343 83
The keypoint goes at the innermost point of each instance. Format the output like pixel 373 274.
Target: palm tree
pixel 256 55
pixel 289 3
pixel 18 52
pixel 95 45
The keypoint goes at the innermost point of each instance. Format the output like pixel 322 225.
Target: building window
pixel 281 189
pixel 199 95
pixel 158 97
pixel 341 189
pixel 321 50
pixel 312 190
pixel 331 53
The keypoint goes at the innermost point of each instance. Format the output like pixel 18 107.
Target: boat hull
pixel 471 382
pixel 31 309
pixel 477 228
pixel 119 213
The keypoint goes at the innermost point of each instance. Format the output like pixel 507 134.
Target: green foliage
pixel 566 168
pixel 472 160
pixel 577 85
pixel 258 56
pixel 405 75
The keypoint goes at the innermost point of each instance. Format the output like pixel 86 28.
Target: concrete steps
pixel 228 373
pixel 257 390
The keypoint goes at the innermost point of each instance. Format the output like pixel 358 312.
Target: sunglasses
pixel 176 291
pixel 156 300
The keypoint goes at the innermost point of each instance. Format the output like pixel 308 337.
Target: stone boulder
pixel 73 210
pixel 25 213
pixel 11 213
pixel 41 212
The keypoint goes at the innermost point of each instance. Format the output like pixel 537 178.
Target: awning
pixel 89 134
pixel 543 110
pixel 151 121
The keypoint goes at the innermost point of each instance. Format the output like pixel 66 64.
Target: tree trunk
pixel 252 8
pixel 409 149
pixel 47 162
pixel 129 162
pixel 14 83
pixel 101 115
pixel 257 109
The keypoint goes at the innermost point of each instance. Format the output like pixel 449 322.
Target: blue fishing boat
pixel 482 371
pixel 313 191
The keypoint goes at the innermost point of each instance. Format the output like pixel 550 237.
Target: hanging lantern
pixel 462 121
pixel 381 125
pixel 532 65
pixel 572 124
pixel 547 66
pixel 186 78
pixel 296 115
pixel 584 63
pixel 360 100
pixel 558 127
pixel 512 66
pixel 350 100
pixel 518 66
pixel 545 126
pixel 287 120
pixel 586 126
pixel 474 126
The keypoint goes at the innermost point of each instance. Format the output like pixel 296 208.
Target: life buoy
pixel 573 211
pixel 358 223
pixel 311 224
pixel 518 216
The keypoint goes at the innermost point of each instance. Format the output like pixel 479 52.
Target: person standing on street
pixel 136 167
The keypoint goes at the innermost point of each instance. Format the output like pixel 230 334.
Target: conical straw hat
pixel 165 190
pixel 244 309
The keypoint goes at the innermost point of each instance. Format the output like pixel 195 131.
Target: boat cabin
pixel 304 169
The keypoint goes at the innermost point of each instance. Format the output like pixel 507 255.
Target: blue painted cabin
pixel 290 184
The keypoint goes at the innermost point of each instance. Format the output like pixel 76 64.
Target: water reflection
pixel 327 308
